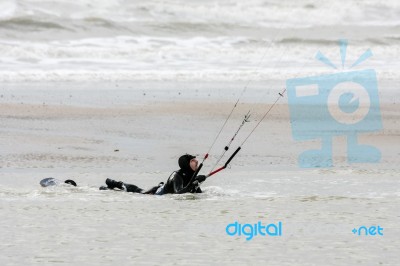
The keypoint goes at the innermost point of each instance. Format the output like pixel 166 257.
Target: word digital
pixel 251 230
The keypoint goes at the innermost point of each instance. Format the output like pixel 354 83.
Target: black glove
pixel 200 178
pixel 194 187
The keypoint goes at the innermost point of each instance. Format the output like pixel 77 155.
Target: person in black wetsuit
pixel 177 183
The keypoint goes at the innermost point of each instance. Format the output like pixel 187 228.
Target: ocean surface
pixel 318 210
pixel 191 40
pixel 91 90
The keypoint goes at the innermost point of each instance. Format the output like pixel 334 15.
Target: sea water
pixel 190 40
pixel 316 211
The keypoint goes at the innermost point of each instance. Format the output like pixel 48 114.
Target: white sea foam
pixel 197 40
pixel 167 58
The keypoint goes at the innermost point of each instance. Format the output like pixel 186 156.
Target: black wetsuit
pixel 176 183
pixel 111 184
pixel 179 182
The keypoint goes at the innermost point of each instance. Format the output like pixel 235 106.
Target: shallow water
pixel 86 226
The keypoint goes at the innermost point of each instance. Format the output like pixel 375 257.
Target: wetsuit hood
pixel 184 164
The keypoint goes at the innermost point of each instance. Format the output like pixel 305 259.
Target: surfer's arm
pixel 192 188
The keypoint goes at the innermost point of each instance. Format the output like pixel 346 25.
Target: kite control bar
pixel 226 164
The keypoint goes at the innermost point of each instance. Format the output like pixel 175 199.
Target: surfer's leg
pixel 132 188
pixel 154 189
pixel 111 184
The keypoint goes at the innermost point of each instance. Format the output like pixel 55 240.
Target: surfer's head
pixel 70 182
pixel 188 163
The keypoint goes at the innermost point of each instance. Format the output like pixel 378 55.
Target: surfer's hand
pixel 200 178
pixel 194 187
